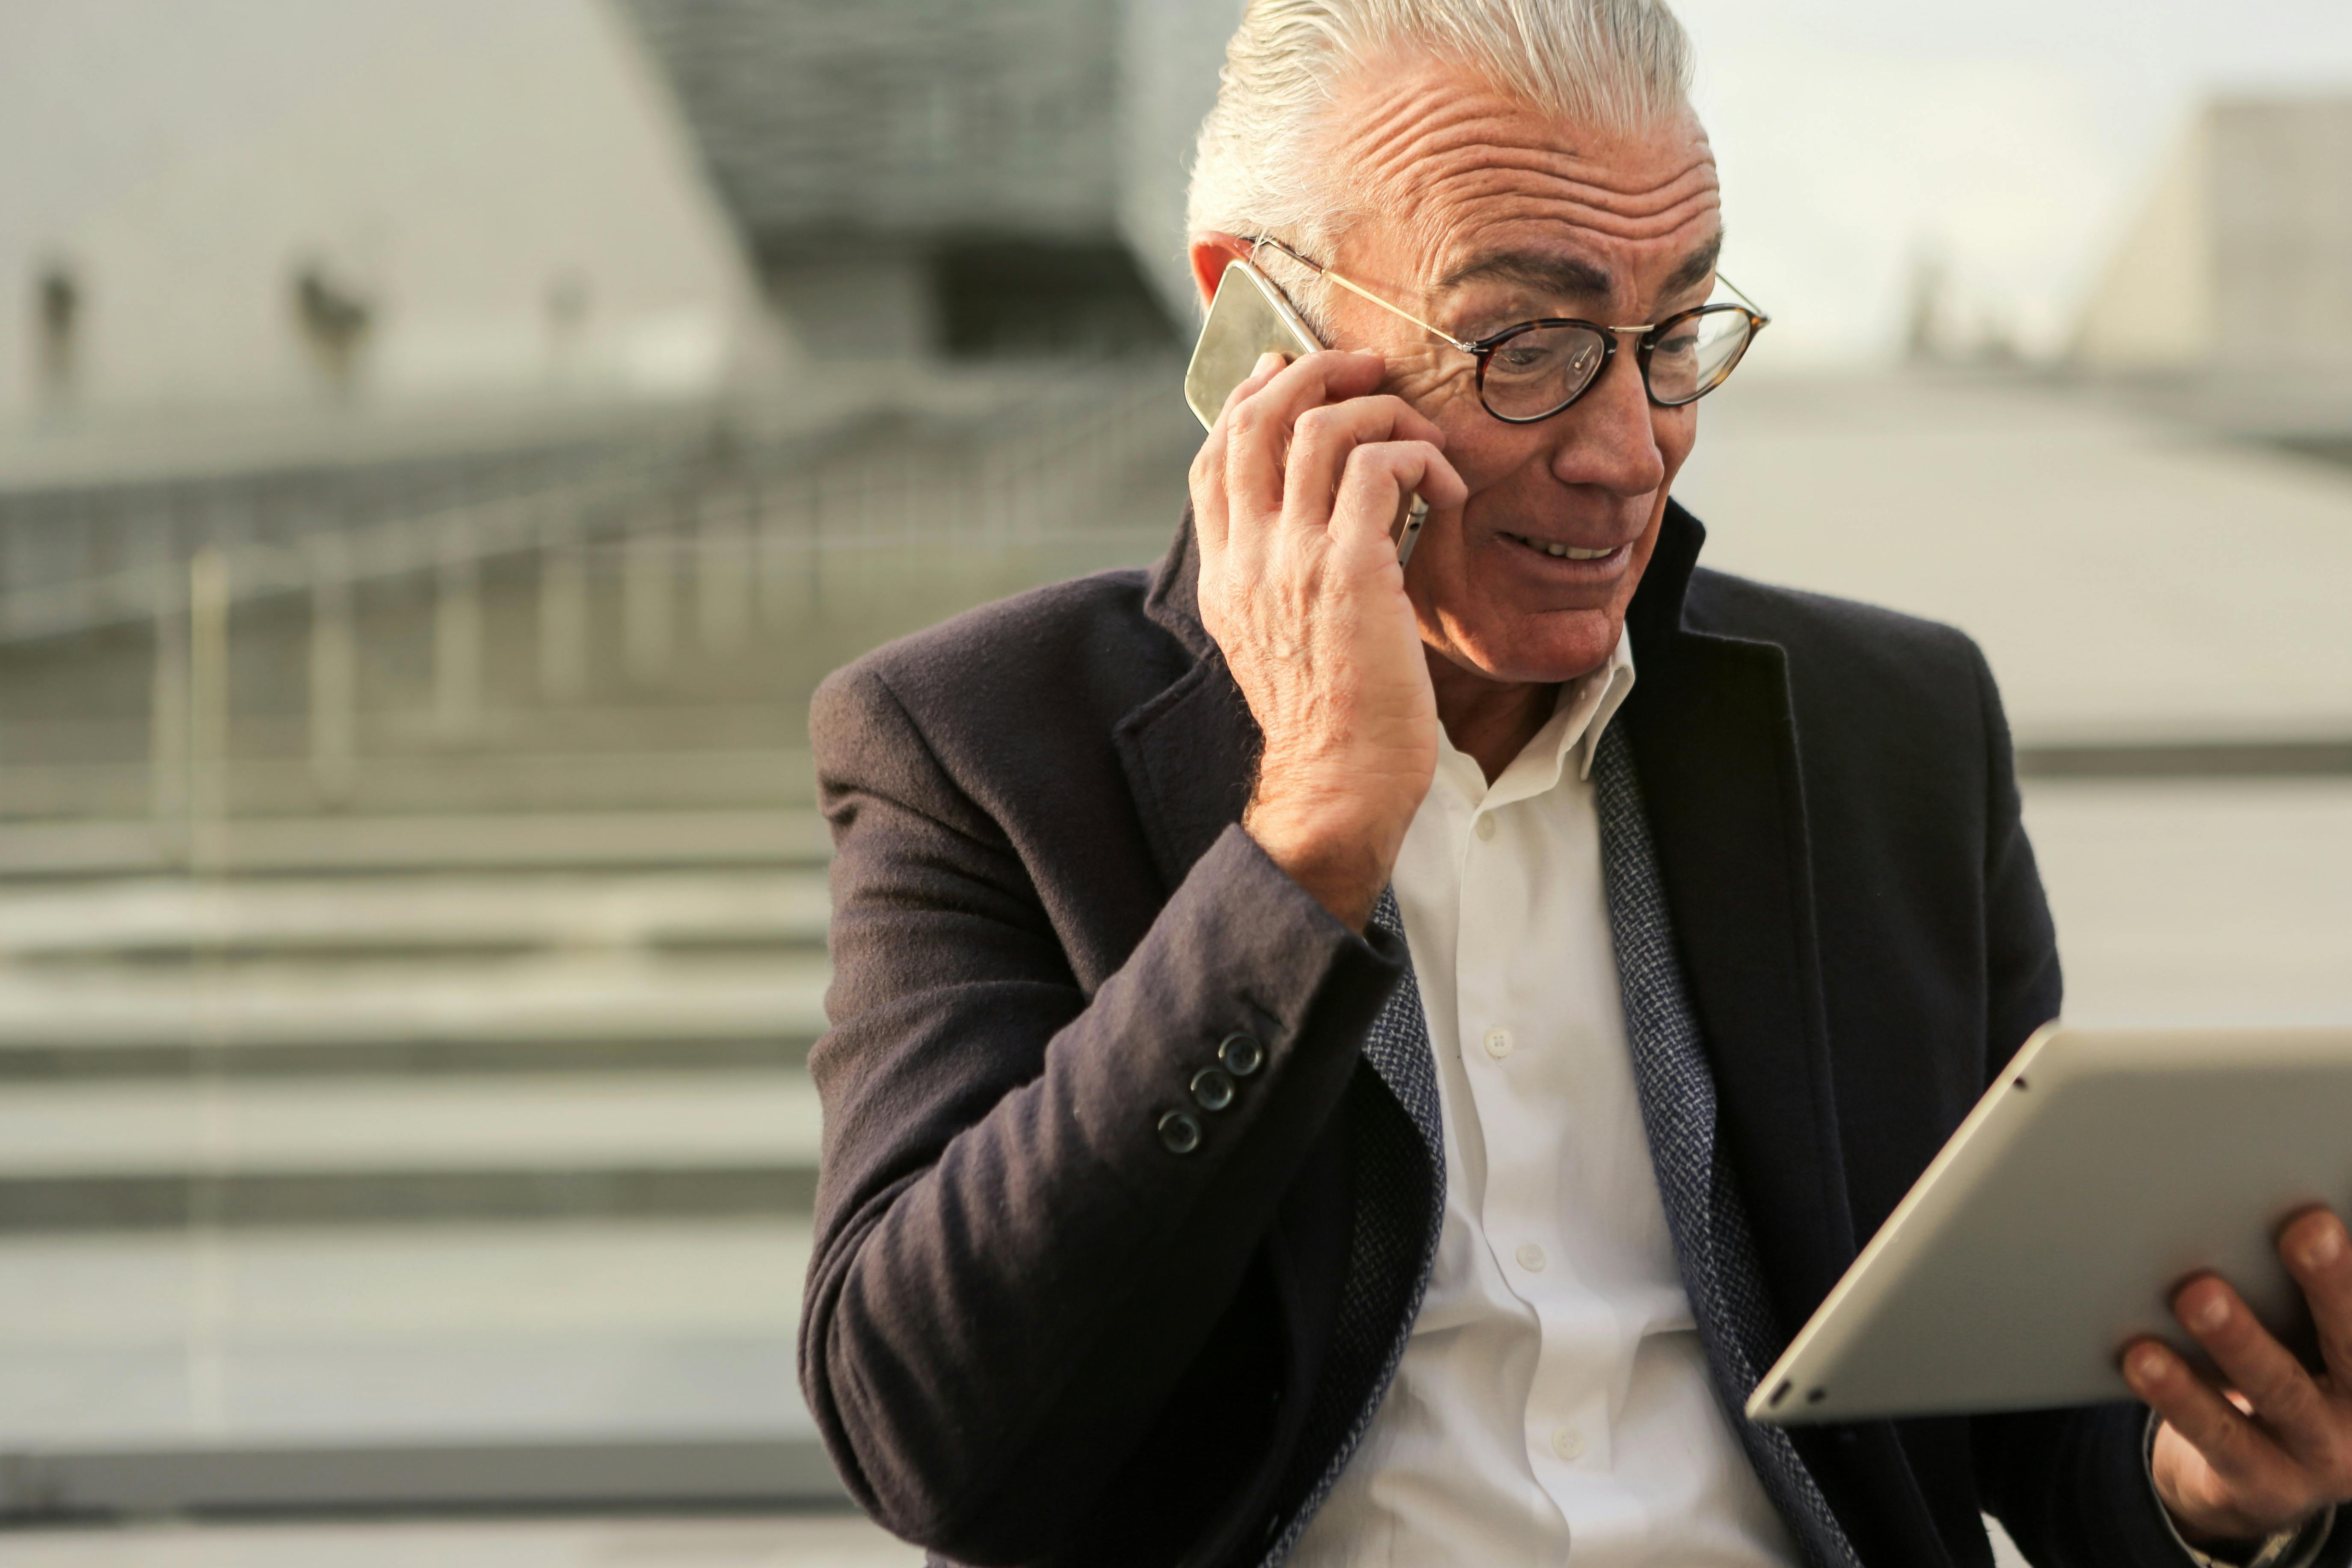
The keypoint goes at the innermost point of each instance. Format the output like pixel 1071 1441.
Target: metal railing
pixel 728 524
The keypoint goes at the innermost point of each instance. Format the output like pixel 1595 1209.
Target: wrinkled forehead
pixel 1458 180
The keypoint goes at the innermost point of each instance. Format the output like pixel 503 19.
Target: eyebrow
pixel 1567 276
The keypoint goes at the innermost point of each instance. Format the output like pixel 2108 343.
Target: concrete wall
pixel 2242 260
pixel 2282 205
pixel 267 202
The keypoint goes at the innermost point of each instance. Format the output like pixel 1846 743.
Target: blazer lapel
pixel 1715 740
pixel 1191 751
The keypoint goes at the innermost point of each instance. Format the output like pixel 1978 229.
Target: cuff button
pixel 1212 1089
pixel 1179 1132
pixel 1241 1054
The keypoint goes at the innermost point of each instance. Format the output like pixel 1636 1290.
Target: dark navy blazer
pixel 1037 1333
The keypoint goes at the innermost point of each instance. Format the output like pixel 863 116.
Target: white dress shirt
pixel 1553 1405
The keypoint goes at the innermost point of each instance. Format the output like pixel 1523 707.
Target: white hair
pixel 1264 164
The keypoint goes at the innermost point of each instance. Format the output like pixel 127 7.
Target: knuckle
pixel 2278 1496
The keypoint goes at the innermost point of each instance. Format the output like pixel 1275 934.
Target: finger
pixel 1380 473
pixel 1258 426
pixel 2239 1451
pixel 2285 1400
pixel 2319 1253
pixel 1322 440
pixel 1211 515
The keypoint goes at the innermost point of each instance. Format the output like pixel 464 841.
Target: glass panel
pixel 1541 369
pixel 1696 352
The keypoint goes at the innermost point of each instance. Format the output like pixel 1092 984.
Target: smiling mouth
pixel 1563 552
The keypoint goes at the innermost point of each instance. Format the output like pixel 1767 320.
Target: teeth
pixel 1570 553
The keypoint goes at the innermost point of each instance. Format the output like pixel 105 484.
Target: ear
pixel 1211 252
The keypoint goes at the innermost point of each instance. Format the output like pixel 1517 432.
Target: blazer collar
pixel 1172 599
pixel 1191 750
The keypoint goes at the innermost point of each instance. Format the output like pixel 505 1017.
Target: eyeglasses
pixel 1536 368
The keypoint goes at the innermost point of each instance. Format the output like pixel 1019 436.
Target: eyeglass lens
pixel 1543 369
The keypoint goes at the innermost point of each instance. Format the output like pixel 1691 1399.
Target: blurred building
pixel 949 176
pixel 2232 294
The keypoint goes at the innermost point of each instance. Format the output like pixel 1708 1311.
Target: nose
pixel 1606 438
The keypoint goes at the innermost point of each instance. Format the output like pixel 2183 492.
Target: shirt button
pixel 1485 827
pixel 1568 1442
pixel 1498 1042
pixel 1531 1258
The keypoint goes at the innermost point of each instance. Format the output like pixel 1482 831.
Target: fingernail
pixel 2210 1313
pixel 1268 361
pixel 2326 1247
pixel 2147 1364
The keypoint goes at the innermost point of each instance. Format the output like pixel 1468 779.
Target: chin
pixel 1544 648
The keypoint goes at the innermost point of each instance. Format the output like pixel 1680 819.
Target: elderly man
pixel 1328 1065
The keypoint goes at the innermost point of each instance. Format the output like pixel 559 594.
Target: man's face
pixel 1491 212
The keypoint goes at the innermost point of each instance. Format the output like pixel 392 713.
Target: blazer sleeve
pixel 1012 1267
pixel 2070 1486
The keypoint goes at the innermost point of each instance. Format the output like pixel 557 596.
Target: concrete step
pixel 144 1154
pixel 638 779
pixel 154 920
pixel 541 997
pixel 475 842
pixel 593 1537
pixel 2188 901
pixel 479 1363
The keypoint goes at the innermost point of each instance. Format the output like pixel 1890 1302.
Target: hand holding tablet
pixel 2125 1213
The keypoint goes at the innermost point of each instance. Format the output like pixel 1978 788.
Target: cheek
pixel 1675 429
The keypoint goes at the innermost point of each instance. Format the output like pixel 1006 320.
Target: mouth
pixel 1558 551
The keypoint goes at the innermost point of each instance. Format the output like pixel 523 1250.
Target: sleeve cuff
pixel 2296 1548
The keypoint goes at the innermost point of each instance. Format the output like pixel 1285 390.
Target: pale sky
pixel 2013 138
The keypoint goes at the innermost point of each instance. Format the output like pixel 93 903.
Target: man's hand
pixel 2274 1445
pixel 1293 496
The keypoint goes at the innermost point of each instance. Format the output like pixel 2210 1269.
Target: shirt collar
pixel 1581 713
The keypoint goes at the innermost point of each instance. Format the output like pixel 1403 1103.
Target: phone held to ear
pixel 1249 317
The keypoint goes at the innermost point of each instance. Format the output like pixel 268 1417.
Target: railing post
pixel 645 605
pixel 562 622
pixel 208 712
pixel 457 639
pixel 722 559
pixel 167 714
pixel 334 670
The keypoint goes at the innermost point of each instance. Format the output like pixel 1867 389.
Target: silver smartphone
pixel 1248 319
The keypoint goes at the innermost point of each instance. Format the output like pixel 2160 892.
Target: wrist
pixel 2222 1537
pixel 1339 864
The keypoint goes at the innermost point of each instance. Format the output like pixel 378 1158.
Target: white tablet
pixel 2103 1167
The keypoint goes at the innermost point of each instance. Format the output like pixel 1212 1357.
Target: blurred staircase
pixel 407 976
